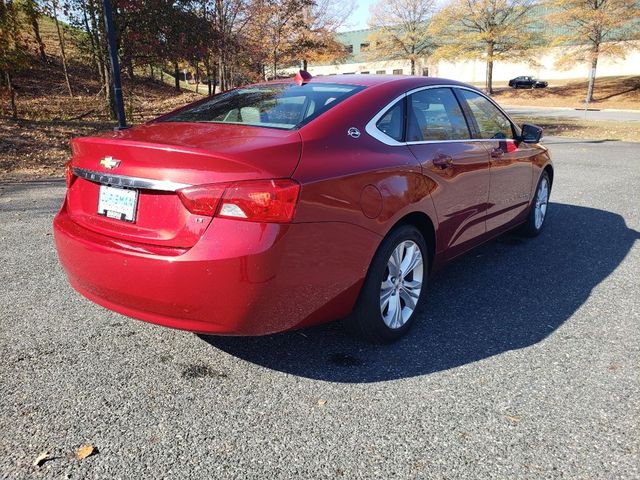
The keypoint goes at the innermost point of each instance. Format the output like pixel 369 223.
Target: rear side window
pixel 490 120
pixel 284 106
pixel 434 114
pixel 392 122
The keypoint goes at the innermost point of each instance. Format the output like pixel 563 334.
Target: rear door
pixel 511 161
pixel 440 138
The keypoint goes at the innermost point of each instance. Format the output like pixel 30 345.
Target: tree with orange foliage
pixel 593 29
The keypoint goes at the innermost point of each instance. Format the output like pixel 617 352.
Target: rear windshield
pixel 284 106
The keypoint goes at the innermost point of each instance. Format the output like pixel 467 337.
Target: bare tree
pixel 598 28
pixel 316 39
pixel 400 30
pixel 54 12
pixel 31 10
pixel 485 29
pixel 11 48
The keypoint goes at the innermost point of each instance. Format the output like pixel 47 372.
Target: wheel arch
pixel 425 225
pixel 549 169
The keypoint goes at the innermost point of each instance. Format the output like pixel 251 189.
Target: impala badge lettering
pixel 109 163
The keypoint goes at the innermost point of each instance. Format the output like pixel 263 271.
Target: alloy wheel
pixel 402 284
pixel 542 198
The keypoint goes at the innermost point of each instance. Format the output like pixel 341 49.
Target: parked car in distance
pixel 292 203
pixel 527 82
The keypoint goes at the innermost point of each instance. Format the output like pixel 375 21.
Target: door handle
pixel 497 153
pixel 443 161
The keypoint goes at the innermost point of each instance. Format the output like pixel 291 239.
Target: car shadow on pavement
pixel 508 294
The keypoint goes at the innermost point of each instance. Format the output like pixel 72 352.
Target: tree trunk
pixel 109 95
pixel 176 74
pixel 61 40
pixel 413 66
pixel 197 70
pixel 489 78
pixel 36 33
pixel 304 64
pixel 94 33
pixel 12 95
pixel 207 69
pixel 85 21
pixel 592 74
pixel 221 83
pixel 275 64
pixel 129 67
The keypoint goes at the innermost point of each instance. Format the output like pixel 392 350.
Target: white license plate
pixel 118 203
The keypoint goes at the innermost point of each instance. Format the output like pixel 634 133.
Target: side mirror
pixel 530 133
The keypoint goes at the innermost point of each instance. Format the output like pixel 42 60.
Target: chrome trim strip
pixel 372 130
pixel 130 182
pixel 463 140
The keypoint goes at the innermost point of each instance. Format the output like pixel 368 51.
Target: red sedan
pixel 287 204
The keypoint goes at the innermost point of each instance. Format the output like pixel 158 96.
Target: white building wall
pixel 371 67
pixel 474 70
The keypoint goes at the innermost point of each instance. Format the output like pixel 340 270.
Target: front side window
pixel 490 120
pixel 284 106
pixel 434 114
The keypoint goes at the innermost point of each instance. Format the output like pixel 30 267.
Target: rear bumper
pixel 241 278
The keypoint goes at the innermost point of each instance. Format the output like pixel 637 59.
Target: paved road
pixel 556 112
pixel 525 364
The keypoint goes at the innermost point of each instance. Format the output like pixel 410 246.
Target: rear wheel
pixel 394 289
pixel 538 211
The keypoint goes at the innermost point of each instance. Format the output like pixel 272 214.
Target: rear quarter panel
pixel 359 180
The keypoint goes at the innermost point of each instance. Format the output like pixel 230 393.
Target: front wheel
pixel 538 211
pixel 394 289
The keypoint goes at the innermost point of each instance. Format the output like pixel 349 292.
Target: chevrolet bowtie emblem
pixel 109 163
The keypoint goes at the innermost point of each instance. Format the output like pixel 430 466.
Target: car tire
pixel 538 209
pixel 384 310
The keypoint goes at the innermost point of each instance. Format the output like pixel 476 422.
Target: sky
pixel 359 16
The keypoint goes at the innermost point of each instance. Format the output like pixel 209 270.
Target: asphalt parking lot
pixel 526 363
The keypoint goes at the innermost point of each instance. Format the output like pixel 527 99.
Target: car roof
pixel 374 80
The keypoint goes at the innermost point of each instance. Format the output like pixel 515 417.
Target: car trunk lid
pixel 157 159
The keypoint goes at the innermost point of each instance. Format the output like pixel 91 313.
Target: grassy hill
pixel 610 92
pixel 37 143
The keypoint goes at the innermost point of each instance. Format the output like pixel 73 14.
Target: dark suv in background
pixel 527 82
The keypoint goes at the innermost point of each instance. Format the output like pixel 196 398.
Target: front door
pixel 511 162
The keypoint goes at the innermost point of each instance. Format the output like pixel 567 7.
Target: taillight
pixel 260 201
pixel 254 201
pixel 68 173
pixel 202 199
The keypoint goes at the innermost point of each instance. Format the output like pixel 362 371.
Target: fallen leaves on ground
pixel 513 418
pixel 610 92
pixel 85 451
pixel 42 458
